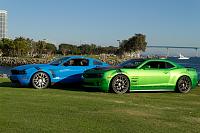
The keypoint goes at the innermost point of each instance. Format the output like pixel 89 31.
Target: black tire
pixel 40 80
pixel 198 83
pixel 184 84
pixel 120 84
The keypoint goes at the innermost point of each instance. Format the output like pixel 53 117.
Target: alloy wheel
pixel 184 84
pixel 120 84
pixel 40 80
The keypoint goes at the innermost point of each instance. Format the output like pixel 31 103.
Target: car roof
pixel 79 56
pixel 163 60
pixel 158 59
pixel 148 59
pixel 76 56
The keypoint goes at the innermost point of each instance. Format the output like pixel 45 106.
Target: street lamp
pixel 119 42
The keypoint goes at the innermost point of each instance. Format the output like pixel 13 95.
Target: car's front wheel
pixel 184 84
pixel 40 80
pixel 120 84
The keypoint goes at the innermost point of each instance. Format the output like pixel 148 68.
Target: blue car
pixel 65 70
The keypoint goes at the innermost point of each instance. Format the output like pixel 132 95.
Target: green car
pixel 142 75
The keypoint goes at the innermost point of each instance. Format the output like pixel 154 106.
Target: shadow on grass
pixel 153 92
pixel 70 87
pixel 73 87
pixel 6 84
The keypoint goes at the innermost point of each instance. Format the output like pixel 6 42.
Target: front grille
pixel 18 72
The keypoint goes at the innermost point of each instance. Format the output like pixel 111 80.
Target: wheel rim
pixel 40 80
pixel 120 84
pixel 184 84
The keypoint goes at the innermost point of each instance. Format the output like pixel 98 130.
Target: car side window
pixel 151 65
pixel 161 65
pixel 169 65
pixel 95 62
pixel 84 62
pixel 158 65
pixel 77 62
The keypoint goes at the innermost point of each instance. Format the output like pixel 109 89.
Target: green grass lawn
pixel 24 110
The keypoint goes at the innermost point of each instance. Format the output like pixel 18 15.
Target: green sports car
pixel 142 75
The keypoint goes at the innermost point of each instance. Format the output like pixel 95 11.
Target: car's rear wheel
pixel 184 84
pixel 120 84
pixel 40 80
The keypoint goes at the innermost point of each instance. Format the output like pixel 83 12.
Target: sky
pixel 103 22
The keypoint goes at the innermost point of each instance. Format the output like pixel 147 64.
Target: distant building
pixel 3 23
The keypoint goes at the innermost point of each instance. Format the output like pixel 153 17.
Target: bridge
pixel 174 47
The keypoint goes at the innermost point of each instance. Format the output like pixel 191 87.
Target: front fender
pixel 110 74
pixel 32 71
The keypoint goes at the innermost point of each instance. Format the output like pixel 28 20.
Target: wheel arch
pixel 110 82
pixel 38 72
pixel 185 75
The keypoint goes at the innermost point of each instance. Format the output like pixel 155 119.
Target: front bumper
pixel 23 80
pixel 102 84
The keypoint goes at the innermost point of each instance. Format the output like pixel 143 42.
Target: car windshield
pixel 132 63
pixel 58 61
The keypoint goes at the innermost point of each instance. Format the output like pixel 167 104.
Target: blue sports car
pixel 65 70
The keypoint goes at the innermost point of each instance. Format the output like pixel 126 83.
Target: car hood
pixel 37 66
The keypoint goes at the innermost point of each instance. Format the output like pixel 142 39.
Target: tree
pixel 50 48
pixel 41 47
pixel 92 49
pixel 7 47
pixel 32 46
pixel 21 46
pixel 66 49
pixel 1 44
pixel 135 44
pixel 85 49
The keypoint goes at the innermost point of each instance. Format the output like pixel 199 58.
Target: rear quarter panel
pixel 192 73
pixel 176 73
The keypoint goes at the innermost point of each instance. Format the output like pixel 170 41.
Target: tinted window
pixel 161 65
pixel 158 65
pixel 77 62
pixel 133 63
pixel 97 62
pixel 59 61
pixel 151 65
pixel 169 65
